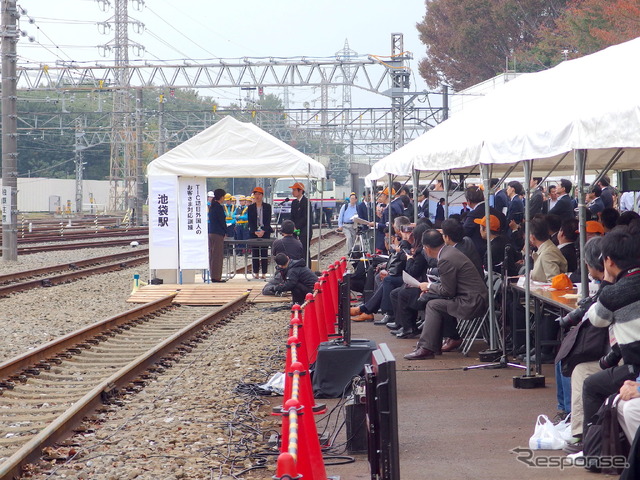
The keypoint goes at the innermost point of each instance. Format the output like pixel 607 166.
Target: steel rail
pixel 73 416
pixel 67 277
pixel 12 277
pixel 72 246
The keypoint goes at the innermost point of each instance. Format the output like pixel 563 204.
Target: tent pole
pixel 322 186
pixel 580 157
pixel 527 268
pixel 307 260
pixel 609 165
pixel 389 215
pixel 416 180
pixel 484 169
pixel 445 184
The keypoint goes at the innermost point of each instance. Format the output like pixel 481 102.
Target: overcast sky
pixel 209 29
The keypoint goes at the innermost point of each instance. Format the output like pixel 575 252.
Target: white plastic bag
pixel 546 436
pixel 564 429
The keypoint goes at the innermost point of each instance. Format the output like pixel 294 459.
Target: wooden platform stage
pixel 207 293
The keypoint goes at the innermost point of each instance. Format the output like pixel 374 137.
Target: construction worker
pixel 242 220
pixel 229 214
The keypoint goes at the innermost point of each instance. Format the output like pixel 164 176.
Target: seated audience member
pixel 594 230
pixel 554 222
pixel 618 307
pixel 404 299
pixel 297 278
pixel 498 247
pixel 627 217
pixel 475 197
pixel 580 350
pixel 462 294
pixel 288 244
pixel 567 237
pixel 388 278
pixel 609 218
pixel 453 234
pixel 548 261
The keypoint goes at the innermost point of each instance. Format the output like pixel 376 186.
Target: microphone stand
pixel 503 362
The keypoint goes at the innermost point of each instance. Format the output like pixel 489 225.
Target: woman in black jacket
pixel 259 221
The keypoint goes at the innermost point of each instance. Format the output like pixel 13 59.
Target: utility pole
pixel 400 81
pixel 79 163
pixel 139 170
pixel 122 176
pixel 9 195
pixel 162 141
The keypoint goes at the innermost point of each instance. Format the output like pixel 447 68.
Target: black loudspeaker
pixel 356 422
pixel 629 181
pixel 337 364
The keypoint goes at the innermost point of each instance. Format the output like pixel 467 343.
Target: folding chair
pixel 471 329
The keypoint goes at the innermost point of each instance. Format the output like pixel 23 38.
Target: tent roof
pixel 590 103
pixel 231 148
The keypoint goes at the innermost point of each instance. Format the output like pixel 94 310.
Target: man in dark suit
pixel 501 199
pixel 537 197
pixel 300 217
pixel 607 192
pixel 567 238
pixel 475 197
pixel 515 210
pixel 462 292
pixel 564 207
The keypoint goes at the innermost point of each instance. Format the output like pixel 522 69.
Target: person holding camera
pixel 345 220
pixel 388 276
pixel 296 277
pixel 581 349
pixel 618 307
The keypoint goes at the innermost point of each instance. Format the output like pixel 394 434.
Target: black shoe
pixel 384 320
pixel 218 281
pixel 397 331
pixel 392 325
pixel 409 334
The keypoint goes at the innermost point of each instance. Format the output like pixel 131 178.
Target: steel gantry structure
pixel 370 131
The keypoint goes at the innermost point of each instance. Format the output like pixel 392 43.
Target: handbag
pixel 546 436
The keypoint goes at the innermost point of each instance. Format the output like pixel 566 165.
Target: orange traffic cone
pixel 286 469
pixel 310 328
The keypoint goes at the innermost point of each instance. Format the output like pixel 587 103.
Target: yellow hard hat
pixel 241 198
pixel 227 196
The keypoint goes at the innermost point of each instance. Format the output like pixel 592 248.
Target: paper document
pixel 409 280
pixel 357 219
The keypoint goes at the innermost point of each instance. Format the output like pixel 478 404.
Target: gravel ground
pixel 186 423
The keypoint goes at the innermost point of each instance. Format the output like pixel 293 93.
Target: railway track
pixel 119 242
pixel 46 393
pixel 81 234
pixel 42 277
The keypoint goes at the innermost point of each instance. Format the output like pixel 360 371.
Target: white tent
pixel 234 149
pixel 178 189
pixel 591 103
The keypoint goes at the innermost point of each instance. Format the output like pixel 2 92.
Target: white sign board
pixel 193 229
pixel 6 205
pixel 163 222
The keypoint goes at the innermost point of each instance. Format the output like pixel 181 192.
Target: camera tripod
pixel 359 248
